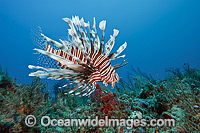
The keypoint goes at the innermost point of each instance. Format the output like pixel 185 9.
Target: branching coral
pixel 17 101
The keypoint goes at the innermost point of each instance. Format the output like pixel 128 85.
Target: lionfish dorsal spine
pixel 109 45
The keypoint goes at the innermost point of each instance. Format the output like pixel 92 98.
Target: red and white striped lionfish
pixel 82 58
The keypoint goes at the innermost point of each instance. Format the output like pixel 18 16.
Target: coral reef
pixel 139 97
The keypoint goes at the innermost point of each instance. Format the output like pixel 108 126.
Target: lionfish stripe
pixel 73 33
pixel 108 76
pixel 70 56
pixel 67 84
pixel 104 66
pixel 83 89
pixel 92 90
pixel 88 91
pixel 81 85
pixel 106 72
pixel 77 87
pixel 59 45
pixel 48 47
pixel 99 59
pixel 69 64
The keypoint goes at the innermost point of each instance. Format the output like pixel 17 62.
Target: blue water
pixel 160 33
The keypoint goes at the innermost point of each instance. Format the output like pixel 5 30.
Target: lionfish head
pixel 84 58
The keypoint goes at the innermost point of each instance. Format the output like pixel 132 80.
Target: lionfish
pixel 81 59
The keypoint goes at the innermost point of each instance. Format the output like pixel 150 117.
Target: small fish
pixel 82 58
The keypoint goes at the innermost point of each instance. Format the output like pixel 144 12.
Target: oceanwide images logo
pixel 46 121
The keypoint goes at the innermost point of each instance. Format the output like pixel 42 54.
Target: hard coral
pixel 107 104
pixel 107 97
pixel 107 108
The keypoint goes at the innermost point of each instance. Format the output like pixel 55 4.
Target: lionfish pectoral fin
pixel 81 84
pixel 60 59
pixel 57 44
pixel 41 74
pixel 52 73
pixel 75 88
pixel 67 85
pixel 89 91
pixel 82 89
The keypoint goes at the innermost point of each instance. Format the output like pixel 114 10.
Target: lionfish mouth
pixel 82 58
